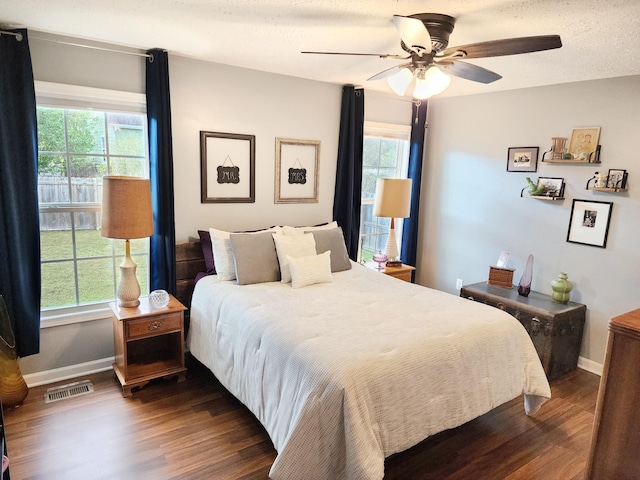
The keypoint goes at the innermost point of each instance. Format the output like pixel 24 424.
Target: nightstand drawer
pixel 158 325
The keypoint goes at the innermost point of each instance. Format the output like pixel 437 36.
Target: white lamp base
pixel 129 288
pixel 391 248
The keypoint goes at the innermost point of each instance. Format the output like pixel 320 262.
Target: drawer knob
pixel 471 297
pixel 501 306
pixel 548 329
pixel 154 325
pixel 535 326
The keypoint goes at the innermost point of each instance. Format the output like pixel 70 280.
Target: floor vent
pixel 67 391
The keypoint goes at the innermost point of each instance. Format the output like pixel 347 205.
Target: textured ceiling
pixel 601 39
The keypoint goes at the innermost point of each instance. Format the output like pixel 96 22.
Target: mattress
pixel 344 374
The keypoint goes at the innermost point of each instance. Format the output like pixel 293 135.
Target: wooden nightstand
pixel 403 272
pixel 148 343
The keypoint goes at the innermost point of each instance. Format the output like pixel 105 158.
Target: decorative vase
pixel 13 388
pixel 524 287
pixel 561 288
pixel 380 258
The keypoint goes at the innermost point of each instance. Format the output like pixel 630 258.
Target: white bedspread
pixel 344 374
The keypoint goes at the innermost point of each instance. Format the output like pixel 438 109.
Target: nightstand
pixel 403 272
pixel 148 343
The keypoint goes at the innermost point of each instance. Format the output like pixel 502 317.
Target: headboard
pixel 189 262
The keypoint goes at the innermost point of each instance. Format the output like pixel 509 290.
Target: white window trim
pixel 50 94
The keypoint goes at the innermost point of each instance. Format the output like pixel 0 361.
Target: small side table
pixel 403 272
pixel 148 343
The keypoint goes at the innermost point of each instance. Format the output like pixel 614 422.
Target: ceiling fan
pixel 425 37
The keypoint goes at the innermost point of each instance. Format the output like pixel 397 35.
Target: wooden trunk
pixel 555 328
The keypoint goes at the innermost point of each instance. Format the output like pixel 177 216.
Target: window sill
pixel 68 316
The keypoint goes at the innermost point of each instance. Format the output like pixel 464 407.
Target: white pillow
pixel 310 270
pixel 287 230
pixel 223 253
pixel 292 246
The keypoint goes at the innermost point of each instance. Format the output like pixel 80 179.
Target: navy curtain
pixel 19 217
pixel 163 244
pixel 409 247
pixel 348 192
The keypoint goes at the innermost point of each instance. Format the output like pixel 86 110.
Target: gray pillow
pixel 255 257
pixel 333 239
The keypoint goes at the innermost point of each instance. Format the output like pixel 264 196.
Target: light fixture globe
pixel 430 82
pixel 401 81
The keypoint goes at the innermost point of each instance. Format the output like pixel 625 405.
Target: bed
pixel 352 369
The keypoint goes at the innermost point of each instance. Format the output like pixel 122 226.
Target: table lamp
pixel 393 200
pixel 126 214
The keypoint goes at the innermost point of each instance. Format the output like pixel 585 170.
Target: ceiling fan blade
pixel 469 71
pixel 413 32
pixel 380 55
pixel 507 46
pixel 388 72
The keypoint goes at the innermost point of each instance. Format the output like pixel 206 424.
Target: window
pixel 76 148
pixel 385 155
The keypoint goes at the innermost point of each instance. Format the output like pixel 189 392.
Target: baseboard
pixel 71 371
pixel 590 365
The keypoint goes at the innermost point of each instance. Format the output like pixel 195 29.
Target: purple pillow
pixel 207 251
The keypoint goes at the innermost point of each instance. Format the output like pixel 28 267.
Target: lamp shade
pixel 126 208
pixel 393 198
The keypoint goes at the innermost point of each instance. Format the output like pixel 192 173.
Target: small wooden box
pixel 501 277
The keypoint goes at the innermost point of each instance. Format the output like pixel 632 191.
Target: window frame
pixel 63 96
pixel 394 132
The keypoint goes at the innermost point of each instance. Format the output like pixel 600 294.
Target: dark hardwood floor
pixel 197 430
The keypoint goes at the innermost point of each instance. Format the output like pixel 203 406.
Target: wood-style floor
pixel 197 430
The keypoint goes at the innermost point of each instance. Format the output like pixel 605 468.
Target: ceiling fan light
pixel 400 81
pixel 438 81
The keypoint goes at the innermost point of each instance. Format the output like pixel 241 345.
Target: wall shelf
pixel 594 157
pixel 541 197
pixel 621 183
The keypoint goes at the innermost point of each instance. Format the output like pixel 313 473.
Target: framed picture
pixel 296 179
pixel 617 178
pixel 553 187
pixel 583 143
pixel 522 159
pixel 227 168
pixel 589 222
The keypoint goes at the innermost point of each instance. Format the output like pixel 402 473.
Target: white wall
pixel 471 207
pixel 209 97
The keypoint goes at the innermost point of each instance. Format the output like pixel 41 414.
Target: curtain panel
pixel 162 249
pixel 348 190
pixel 19 216
pixel 416 150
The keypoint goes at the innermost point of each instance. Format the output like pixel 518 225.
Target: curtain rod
pixel 17 35
pixel 104 49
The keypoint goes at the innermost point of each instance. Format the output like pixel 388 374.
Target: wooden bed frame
pixel 189 262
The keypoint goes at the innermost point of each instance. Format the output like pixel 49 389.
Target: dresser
pixel 616 427
pixel 555 328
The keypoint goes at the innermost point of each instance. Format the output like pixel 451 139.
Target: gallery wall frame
pixel 589 222
pixel 522 159
pixel 296 170
pixel 227 167
pixel 583 143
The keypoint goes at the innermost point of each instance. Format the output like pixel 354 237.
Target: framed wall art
pixel 589 222
pixel 227 168
pixel 553 186
pixel 522 159
pixel 296 178
pixel 617 178
pixel 584 143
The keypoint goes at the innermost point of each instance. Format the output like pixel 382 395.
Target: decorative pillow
pixel 300 230
pixel 333 240
pixel 207 251
pixel 295 246
pixel 310 270
pixel 223 254
pixel 255 257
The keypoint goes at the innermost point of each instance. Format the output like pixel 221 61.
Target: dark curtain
pixel 409 247
pixel 19 217
pixel 348 192
pixel 163 244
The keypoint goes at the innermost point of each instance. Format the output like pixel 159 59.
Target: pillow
pixel 300 230
pixel 207 252
pixel 223 255
pixel 310 270
pixel 295 246
pixel 255 257
pixel 333 240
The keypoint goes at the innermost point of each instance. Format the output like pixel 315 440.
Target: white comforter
pixel 344 374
